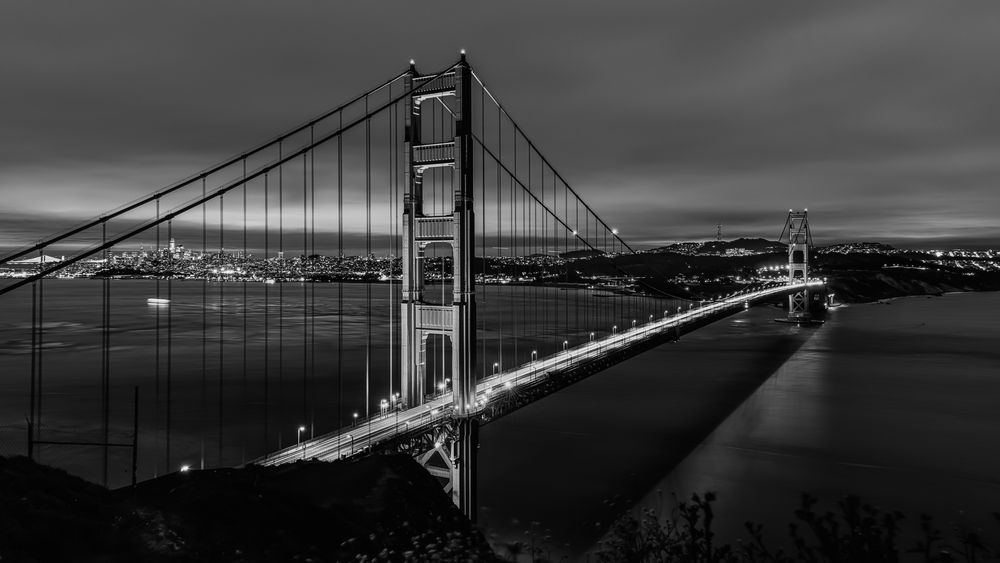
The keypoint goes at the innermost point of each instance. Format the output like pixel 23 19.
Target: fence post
pixel 31 439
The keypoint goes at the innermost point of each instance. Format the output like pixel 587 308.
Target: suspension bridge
pixel 385 277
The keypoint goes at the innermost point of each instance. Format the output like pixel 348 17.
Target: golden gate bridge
pixel 387 276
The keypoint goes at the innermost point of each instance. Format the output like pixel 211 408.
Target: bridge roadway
pixel 351 440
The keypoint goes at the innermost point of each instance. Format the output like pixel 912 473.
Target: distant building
pixel 43 259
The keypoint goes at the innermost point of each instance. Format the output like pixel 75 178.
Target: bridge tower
pixel 799 246
pixel 456 321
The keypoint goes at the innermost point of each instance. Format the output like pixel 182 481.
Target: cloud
pixel 665 116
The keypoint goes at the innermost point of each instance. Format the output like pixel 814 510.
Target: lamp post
pixel 496 368
pixel 355 419
pixel 534 355
pixel 383 406
pixel 351 438
pixel 298 439
pixel 614 329
pixel 565 345
pixel 591 336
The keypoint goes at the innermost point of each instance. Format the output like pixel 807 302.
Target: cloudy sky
pixel 668 117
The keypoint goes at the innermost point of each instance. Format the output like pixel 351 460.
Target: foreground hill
pixel 383 507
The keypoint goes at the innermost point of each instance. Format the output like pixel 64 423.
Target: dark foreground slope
pixel 386 508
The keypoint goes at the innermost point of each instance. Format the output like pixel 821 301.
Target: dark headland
pixel 383 508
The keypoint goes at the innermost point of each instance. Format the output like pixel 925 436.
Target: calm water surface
pixel 896 402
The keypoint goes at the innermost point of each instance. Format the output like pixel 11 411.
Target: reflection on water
pixel 895 403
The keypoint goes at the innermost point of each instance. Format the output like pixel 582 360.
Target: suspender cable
pixel 306 372
pixel 499 245
pixel 312 280
pixel 222 308
pixel 513 251
pixel 105 348
pixel 170 343
pixel 267 313
pixel 202 417
pixel 280 279
pixel 482 255
pixel 392 238
pixel 156 356
pixel 244 263
pixel 340 283
pixel 368 262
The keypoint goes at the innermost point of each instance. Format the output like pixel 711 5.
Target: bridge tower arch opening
pixel 420 316
pixel 799 248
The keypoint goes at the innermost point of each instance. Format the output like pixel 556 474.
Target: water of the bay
pixel 895 402
pixel 228 372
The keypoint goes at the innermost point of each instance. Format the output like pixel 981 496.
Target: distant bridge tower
pixel 799 245
pixel 456 321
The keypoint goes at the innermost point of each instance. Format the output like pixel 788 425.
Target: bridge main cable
pixel 546 162
pixel 201 200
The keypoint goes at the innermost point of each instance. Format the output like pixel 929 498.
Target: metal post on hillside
pixel 31 439
pixel 135 433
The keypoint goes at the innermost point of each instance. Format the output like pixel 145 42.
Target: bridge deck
pixel 353 439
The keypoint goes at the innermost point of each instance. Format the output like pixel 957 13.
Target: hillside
pixel 385 506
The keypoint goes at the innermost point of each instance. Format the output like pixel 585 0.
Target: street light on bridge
pixel 534 355
pixel 298 439
pixel 614 329
pixel 591 336
pixel 496 368
pixel 355 419
pixel 565 345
